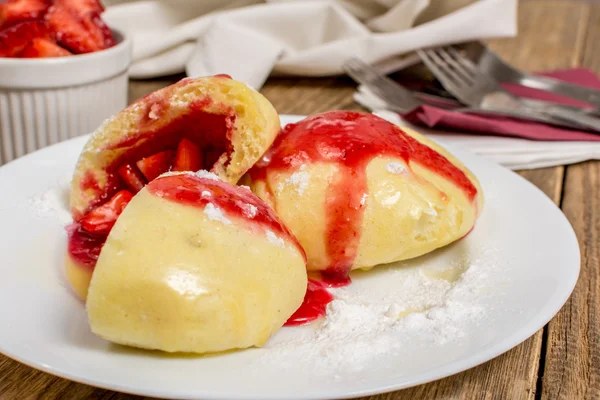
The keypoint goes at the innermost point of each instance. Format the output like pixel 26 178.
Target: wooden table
pixel 562 360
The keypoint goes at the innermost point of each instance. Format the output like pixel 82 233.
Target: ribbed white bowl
pixel 45 101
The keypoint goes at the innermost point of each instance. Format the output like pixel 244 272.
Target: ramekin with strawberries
pixel 63 71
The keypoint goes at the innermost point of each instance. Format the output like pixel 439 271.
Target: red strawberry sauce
pixel 350 140
pixel 84 247
pixel 314 305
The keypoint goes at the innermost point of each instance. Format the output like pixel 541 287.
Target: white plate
pixel 524 261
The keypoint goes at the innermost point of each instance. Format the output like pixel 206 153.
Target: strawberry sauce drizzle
pixel 211 132
pixel 84 247
pixel 350 140
pixel 314 305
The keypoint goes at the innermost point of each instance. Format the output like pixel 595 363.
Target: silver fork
pixel 397 98
pixel 402 100
pixel 471 86
pixel 492 64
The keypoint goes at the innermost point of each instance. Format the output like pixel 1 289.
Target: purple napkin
pixel 435 117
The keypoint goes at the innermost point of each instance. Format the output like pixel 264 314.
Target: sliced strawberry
pixel 156 164
pixel 40 48
pixel 188 157
pixel 14 12
pixel 102 219
pixel 79 32
pixel 14 39
pixel 132 177
pixel 102 30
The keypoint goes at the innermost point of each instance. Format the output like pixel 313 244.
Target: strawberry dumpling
pixel 194 264
pixel 358 191
pixel 213 123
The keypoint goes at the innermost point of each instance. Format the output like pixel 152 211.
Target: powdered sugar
pixel 273 238
pixel 207 175
pixel 395 167
pixel 250 211
pixel 388 313
pixel 155 110
pixel 200 174
pixel 363 199
pixel 215 214
pixel 52 203
pixel 206 194
pixel 299 179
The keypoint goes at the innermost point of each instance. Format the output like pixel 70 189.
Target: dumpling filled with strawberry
pixel 212 123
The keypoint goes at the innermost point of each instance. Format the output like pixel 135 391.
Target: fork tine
pixel 464 61
pixel 356 69
pixel 453 64
pixel 380 85
pixel 437 66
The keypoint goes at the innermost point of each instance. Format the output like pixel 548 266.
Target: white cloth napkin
pixel 249 39
pixel 513 153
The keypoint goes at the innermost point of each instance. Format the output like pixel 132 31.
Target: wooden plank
pixel 308 96
pixel 551 35
pixel 18 381
pixel 572 359
pixel 140 88
pixel 591 54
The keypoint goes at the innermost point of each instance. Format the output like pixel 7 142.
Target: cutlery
pixel 471 86
pixel 490 63
pixel 402 100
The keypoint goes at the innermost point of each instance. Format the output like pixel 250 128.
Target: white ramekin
pixel 44 101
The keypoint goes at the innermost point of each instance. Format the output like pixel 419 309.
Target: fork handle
pixel 586 121
pixel 582 93
pixel 523 115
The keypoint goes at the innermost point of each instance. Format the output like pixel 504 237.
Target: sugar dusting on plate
pixel 412 306
pixel 52 203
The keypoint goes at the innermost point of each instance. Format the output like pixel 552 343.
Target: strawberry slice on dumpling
pixel 189 156
pixel 132 177
pixel 156 164
pixel 102 219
